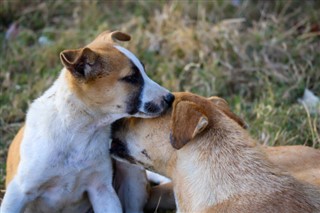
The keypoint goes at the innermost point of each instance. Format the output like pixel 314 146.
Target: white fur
pixel 61 158
pixel 157 178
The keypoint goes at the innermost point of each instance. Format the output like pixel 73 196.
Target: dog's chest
pixel 62 155
pixel 69 186
pixel 69 170
pixel 60 193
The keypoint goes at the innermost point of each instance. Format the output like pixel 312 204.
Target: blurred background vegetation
pixel 258 55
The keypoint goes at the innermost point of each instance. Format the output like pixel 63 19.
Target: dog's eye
pixel 132 79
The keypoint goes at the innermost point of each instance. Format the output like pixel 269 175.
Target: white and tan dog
pixel 214 164
pixel 59 161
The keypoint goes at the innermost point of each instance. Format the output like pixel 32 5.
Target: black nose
pixel 169 99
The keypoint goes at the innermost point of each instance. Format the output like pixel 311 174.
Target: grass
pixel 258 55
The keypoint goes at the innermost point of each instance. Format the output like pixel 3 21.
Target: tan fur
pixel 13 158
pixel 302 162
pixel 221 169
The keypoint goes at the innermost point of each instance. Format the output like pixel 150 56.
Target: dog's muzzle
pixel 153 108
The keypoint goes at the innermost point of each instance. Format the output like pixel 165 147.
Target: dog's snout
pixel 169 98
pixel 159 106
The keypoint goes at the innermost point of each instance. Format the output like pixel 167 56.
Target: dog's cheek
pixel 145 154
pixel 134 86
pixel 133 103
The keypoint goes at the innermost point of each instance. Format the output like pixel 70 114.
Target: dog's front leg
pixel 132 186
pixel 104 199
pixel 15 198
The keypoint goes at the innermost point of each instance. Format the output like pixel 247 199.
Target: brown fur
pixel 301 162
pixel 221 168
pixel 13 158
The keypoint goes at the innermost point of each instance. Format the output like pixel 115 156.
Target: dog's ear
pixel 218 101
pixel 224 107
pixel 119 36
pixel 188 120
pixel 79 62
pixel 109 37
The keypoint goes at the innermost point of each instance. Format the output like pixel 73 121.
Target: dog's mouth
pixel 147 115
pixel 119 151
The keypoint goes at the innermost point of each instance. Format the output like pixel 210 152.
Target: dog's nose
pixel 169 98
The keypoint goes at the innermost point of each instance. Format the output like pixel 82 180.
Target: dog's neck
pixel 60 107
pixel 211 170
pixel 67 103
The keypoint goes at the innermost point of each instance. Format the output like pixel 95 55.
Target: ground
pixel 258 55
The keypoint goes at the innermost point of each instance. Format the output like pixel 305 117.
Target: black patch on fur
pixel 134 101
pixel 135 77
pixel 117 125
pixel 79 70
pixel 145 153
pixel 119 149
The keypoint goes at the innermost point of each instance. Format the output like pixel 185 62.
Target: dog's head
pixel 111 79
pixel 151 142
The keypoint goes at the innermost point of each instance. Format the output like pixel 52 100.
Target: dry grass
pixel 258 55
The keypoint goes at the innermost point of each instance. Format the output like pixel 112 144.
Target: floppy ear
pixel 224 107
pixel 79 62
pixel 107 37
pixel 119 36
pixel 187 122
pixel 219 101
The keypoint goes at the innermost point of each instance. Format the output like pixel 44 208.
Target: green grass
pixel 259 56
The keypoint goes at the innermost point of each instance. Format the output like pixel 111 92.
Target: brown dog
pixel 214 164
pixel 300 161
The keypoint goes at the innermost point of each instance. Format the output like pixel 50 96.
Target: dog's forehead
pixel 132 58
pixel 101 40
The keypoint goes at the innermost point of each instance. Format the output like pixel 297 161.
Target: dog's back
pixel 293 197
pixel 302 162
